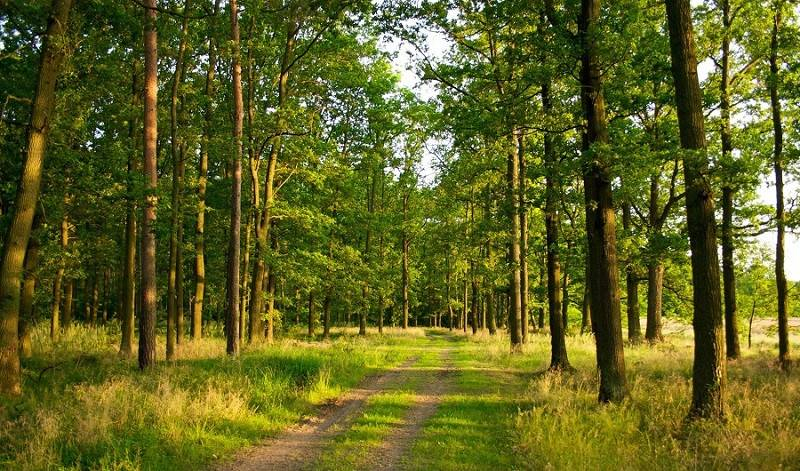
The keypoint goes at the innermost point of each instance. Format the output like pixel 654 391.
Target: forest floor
pixel 426 399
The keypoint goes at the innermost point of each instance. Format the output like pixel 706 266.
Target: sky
pixel 404 63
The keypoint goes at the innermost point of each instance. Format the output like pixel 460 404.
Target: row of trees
pixel 287 180
pixel 561 117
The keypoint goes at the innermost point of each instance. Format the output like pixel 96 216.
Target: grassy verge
pixel 84 408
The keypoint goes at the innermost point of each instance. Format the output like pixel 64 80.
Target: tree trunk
pixel 19 230
pixel 58 281
pixel 69 295
pixel 559 359
pixel 600 218
pixel 128 288
pixel 515 255
pixel 709 376
pixel 326 316
pixel 234 236
pixel 523 238
pixel 177 188
pixel 28 291
pixel 147 319
pixel 311 316
pixel 202 181
pixel 405 278
pixel 780 217
pixel 631 285
pixel 728 271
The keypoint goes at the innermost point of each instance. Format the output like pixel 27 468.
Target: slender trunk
pixel 147 319
pixel 631 285
pixel 405 277
pixel 728 271
pixel 202 181
pixel 559 359
pixel 28 291
pixel 19 230
pixel 780 217
pixel 311 316
pixel 69 295
pixel 709 375
pixel 95 298
pixel 655 271
pixel 55 316
pixel 600 217
pixel 474 306
pixel 326 316
pixel 523 238
pixel 128 289
pixel 515 252
pixel 177 188
pixel 234 236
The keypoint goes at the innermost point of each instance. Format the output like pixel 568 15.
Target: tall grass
pixel 85 408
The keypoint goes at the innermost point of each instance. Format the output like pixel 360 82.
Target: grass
pixel 85 409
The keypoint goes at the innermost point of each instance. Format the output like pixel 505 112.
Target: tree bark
pixel 28 291
pixel 559 360
pixel 515 251
pixel 728 270
pixel 780 217
pixel 202 181
pixel 128 289
pixel 19 230
pixel 234 236
pixel 709 376
pixel 147 319
pixel 177 188
pixel 523 238
pixel 600 217
pixel 631 285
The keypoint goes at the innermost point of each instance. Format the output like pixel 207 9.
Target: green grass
pixel 84 408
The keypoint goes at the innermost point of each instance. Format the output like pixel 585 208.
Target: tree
pixel 19 232
pixel 708 375
pixel 147 319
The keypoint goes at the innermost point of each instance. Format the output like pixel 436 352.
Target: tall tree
pixel 234 239
pixel 600 218
pixel 709 375
pixel 19 232
pixel 147 319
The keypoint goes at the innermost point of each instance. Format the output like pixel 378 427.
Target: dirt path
pixel 438 382
pixel 299 447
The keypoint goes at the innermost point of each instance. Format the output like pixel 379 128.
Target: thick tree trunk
pixel 19 230
pixel 147 319
pixel 600 217
pixel 709 376
pixel 234 236
pixel 780 217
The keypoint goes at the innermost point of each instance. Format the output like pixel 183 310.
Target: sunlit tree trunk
pixel 631 285
pixel 19 229
pixel 709 375
pixel 147 319
pixel 234 236
pixel 523 239
pixel 515 251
